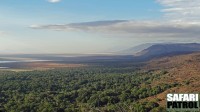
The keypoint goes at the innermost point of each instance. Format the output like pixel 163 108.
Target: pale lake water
pixel 8 61
pixel 4 67
pixel 24 61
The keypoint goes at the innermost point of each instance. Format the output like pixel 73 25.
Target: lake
pixel 21 61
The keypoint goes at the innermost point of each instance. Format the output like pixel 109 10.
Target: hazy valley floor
pixel 97 86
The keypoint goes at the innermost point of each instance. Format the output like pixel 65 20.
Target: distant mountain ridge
pixel 161 50
pixel 135 49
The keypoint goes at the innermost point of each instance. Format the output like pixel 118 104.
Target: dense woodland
pixel 80 90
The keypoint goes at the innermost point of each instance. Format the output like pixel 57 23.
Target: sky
pixel 95 26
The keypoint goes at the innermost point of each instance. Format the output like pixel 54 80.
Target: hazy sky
pixel 94 26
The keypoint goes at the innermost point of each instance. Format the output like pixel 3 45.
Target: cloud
pixel 181 19
pixel 138 28
pixel 181 10
pixel 54 1
pixel 86 26
pixel 2 33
